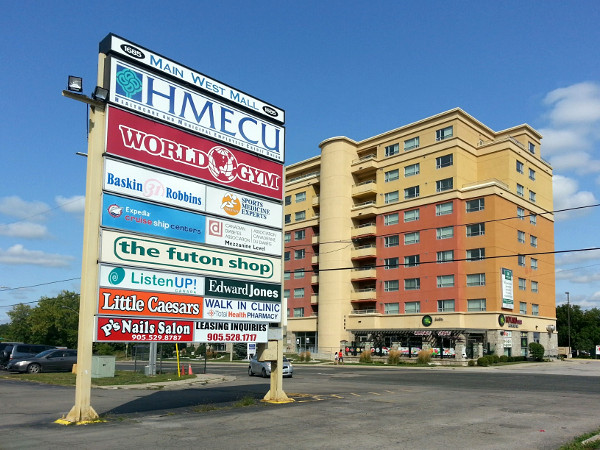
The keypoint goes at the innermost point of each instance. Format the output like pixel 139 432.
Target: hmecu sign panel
pixel 191 220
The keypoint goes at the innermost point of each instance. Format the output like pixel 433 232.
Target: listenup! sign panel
pixel 138 90
pixel 133 137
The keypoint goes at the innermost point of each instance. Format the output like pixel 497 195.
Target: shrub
pixel 504 358
pixel 537 351
pixel 495 359
pixel 365 357
pixel 483 361
pixel 307 356
pixel 394 357
pixel 471 363
pixel 424 357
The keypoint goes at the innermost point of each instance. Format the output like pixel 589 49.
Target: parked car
pixel 263 368
pixel 53 360
pixel 5 349
pixel 20 351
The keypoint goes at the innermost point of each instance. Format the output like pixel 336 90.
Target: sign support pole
pixel 276 393
pixel 82 411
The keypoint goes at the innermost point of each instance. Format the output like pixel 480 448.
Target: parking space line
pixel 374 393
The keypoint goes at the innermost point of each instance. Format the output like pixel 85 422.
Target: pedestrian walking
pixel 341 357
pixel 335 357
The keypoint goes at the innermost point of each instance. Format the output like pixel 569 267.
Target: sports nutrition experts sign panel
pixel 138 139
pixel 127 329
pixel 116 45
pixel 133 215
pixel 156 253
pixel 141 91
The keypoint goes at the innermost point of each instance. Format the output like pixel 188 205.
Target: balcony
pixel 364 230
pixel 364 209
pixel 315 200
pixel 365 164
pixel 314 259
pixel 364 251
pixel 364 295
pixel 314 239
pixel 364 273
pixel 314 279
pixel 365 189
pixel 314 299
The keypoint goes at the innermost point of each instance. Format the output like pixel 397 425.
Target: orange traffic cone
pixel 190 370
pixel 182 369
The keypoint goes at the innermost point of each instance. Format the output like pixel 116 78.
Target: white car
pixel 263 368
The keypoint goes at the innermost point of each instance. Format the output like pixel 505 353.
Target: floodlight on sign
pixel 75 84
pixel 100 94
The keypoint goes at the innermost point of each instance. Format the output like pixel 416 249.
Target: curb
pixel 201 379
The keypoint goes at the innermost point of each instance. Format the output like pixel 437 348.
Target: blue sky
pixel 347 68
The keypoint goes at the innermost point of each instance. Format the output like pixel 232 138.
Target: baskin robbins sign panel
pixel 133 137
pixel 146 184
pixel 132 215
pixel 138 90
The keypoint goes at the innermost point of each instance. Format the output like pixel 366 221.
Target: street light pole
pixel 569 320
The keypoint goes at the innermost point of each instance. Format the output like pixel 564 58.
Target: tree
pixel 537 351
pixel 20 323
pixel 585 327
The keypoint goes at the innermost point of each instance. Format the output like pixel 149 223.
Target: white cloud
pixel 16 207
pixel 575 104
pixel 17 254
pixel 566 195
pixel 565 259
pixel 73 205
pixel 26 230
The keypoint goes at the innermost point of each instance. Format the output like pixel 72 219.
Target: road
pixel 539 406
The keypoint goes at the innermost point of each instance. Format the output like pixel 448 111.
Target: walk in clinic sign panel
pixel 249 131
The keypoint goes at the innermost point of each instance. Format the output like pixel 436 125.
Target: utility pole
pixel 569 320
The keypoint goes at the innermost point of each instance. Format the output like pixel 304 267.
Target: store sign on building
pixel 133 137
pixel 127 329
pixel 513 322
pixel 506 282
pixel 118 248
pixel 141 91
pixel 116 45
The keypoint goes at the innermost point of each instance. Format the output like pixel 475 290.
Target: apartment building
pixel 435 235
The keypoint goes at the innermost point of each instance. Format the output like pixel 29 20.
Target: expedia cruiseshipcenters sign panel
pixel 139 90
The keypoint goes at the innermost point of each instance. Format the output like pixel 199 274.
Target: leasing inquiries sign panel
pixel 143 140
pixel 138 90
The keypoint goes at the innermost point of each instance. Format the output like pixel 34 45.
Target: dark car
pixel 54 360
pixel 5 350
pixel 20 351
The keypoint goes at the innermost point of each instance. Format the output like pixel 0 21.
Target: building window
pixel 476 205
pixel 411 144
pixel 445 233
pixel 532 219
pixel 391 175
pixel 299 254
pixel 475 279
pixel 520 190
pixel 288 199
pixel 444 185
pixel 476 304
pixel 476 229
pixel 521 260
pixel 444 281
pixel 288 218
pixel 411 170
pixel 390 219
pixel 298 312
pixel 412 260
pixel 411 192
pixel 391 285
pixel 300 197
pixel 412 307
pixel 444 161
pixel 475 254
pixel 534 263
pixel 532 174
pixel 287 236
pixel 522 284
pixel 533 241
pixel 445 256
pixel 532 196
pixel 520 166
pixel 521 236
pixel 520 213
pixel 299 293
pixel 535 310
pixel 412 284
pixel 391 197
pixel 391 263
pixel 286 275
pixel 286 293
pixel 445 305
pixel 534 286
pixel 298 273
pixel 444 133
pixel 391 241
pixel 411 238
pixel 299 235
pixel 286 256
pixel 300 215
pixel 522 308
pixel 443 209
pixel 391 308
pixel 532 148
pixel 392 150
pixel 411 216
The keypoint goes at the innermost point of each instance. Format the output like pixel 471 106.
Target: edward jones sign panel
pixel 146 184
pixel 141 91
pixel 153 143
pixel 119 248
